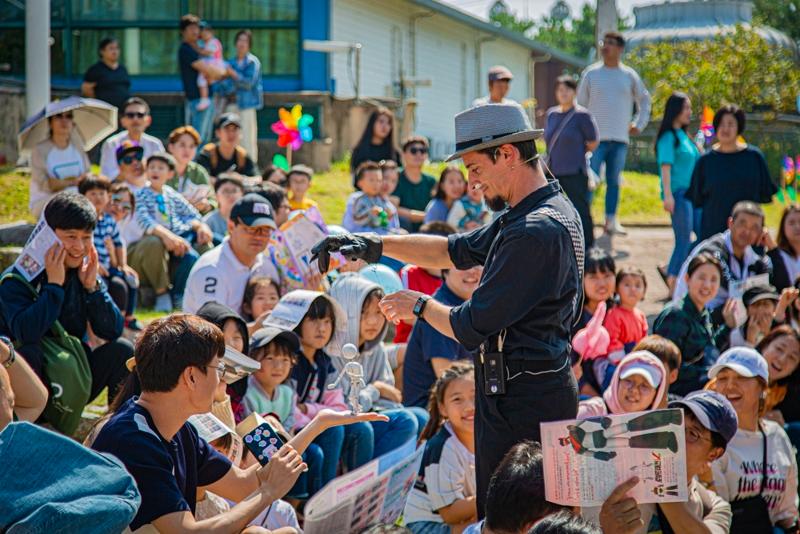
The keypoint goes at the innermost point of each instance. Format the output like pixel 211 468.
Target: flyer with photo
pixel 30 262
pixel 584 460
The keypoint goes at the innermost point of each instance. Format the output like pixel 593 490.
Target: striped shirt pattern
pixel 106 228
pixel 609 94
pixel 168 209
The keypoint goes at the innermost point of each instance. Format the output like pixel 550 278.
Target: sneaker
pixel 203 104
pixel 132 323
pixel 163 303
pixel 613 227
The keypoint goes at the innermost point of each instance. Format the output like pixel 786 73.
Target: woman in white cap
pixel 758 472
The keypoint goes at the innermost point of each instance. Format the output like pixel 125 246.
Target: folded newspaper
pixel 584 460
pixel 372 494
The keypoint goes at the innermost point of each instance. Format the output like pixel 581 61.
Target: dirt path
pixel 645 248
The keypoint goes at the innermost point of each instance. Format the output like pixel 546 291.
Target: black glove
pixel 367 247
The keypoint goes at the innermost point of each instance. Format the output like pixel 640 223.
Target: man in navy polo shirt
pixel 179 365
pixel 430 352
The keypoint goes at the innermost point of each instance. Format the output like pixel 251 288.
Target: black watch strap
pixel 419 306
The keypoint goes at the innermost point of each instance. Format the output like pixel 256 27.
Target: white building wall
pixel 453 56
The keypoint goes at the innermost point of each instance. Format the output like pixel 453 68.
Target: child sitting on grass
pixel 261 295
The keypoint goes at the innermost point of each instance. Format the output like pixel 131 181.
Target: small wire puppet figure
pixel 355 374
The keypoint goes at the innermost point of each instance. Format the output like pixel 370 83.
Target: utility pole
pixel 606 19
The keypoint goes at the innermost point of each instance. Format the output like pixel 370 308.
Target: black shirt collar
pixel 531 201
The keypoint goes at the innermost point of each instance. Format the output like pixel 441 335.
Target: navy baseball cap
pixel 267 334
pixel 712 410
pixel 253 210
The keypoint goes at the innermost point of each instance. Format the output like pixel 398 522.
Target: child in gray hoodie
pixel 366 329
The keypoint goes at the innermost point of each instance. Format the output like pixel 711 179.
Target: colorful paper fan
pixel 293 127
pixel 788 170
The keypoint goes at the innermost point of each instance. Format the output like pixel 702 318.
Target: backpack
pixel 213 155
pixel 66 371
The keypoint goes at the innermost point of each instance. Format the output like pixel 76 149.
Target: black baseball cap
pixel 267 334
pixel 253 210
pixel 758 293
pixel 226 119
pixel 126 147
pixel 712 410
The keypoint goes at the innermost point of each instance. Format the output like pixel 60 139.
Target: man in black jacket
pixel 69 292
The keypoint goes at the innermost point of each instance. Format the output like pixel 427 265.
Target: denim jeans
pixel 50 483
pixel 330 446
pixel 685 219
pixel 398 430
pixel 428 527
pixel 309 482
pixel 421 415
pixel 200 120
pixel 359 445
pixel 612 153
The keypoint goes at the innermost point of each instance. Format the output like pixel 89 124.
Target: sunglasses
pixel 127 160
pixel 418 150
pixel 135 114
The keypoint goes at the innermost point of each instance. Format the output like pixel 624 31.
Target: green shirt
pixel 194 178
pixel 414 196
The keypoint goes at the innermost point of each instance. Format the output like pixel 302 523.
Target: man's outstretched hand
pixel 367 247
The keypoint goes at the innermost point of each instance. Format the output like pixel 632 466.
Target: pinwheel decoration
pixel 788 190
pixel 293 129
pixel 707 123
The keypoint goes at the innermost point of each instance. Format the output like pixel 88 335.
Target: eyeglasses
pixel 418 150
pixel 127 160
pixel 612 42
pixel 221 369
pixel 693 436
pixel 260 231
pixel 135 115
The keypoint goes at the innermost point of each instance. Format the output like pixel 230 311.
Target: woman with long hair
pixel 377 143
pixel 677 155
pixel 786 256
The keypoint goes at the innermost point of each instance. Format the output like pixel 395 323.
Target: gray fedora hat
pixel 491 125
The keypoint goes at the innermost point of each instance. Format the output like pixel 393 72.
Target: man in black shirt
pixel 521 314
pixel 107 79
pixel 227 156
pixel 191 64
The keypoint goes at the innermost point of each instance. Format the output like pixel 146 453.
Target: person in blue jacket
pixel 70 292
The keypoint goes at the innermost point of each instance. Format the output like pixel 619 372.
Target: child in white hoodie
pixel 366 329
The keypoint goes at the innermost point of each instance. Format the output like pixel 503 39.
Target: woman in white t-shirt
pixel 57 163
pixel 760 497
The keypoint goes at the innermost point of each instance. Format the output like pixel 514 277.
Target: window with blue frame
pixel 148 34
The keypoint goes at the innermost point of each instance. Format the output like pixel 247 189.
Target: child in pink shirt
pixel 626 324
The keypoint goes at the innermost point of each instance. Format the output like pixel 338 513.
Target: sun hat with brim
pixel 650 373
pixel 491 125
pixel 745 361
pixel 711 410
pixel 166 157
pixel 267 334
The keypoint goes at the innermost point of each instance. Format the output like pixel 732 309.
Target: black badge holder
pixel 494 368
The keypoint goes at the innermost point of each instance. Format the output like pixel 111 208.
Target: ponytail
pixel 436 397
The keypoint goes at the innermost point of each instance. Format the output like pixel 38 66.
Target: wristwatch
pixel 12 354
pixel 419 306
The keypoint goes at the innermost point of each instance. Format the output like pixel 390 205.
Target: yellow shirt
pixel 303 204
